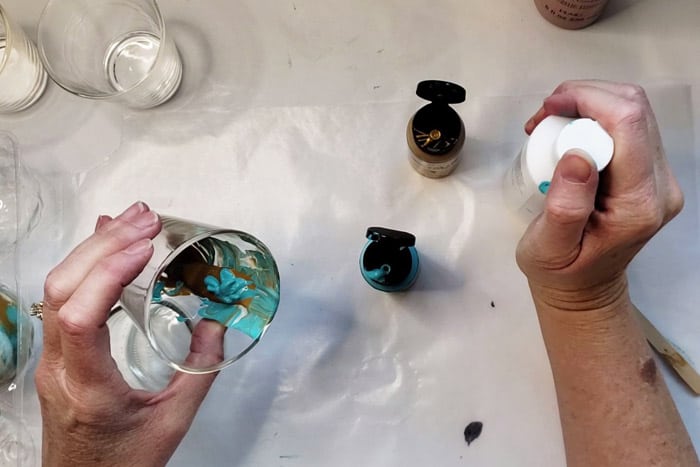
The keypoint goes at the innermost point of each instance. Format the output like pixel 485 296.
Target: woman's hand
pixel 91 417
pixel 575 254
pixel 614 406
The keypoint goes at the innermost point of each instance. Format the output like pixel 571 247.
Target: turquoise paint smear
pixel 230 258
pixel 234 316
pixel 229 288
pixel 251 321
pixel 8 344
pixel 159 290
pixel 379 274
pixel 12 313
pixel 7 357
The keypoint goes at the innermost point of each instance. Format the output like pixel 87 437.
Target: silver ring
pixel 37 309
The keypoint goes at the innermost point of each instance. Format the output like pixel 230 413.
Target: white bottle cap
pixel 586 134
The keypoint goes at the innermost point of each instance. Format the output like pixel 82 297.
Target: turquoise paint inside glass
pixel 230 291
pixel 159 289
pixel 229 288
pixel 243 294
pixel 8 343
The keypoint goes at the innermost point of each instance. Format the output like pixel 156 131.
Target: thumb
pixel 206 350
pixel 558 232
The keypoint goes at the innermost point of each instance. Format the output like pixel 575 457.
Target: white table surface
pixel 290 125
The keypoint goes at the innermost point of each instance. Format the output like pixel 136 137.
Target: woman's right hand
pixel 576 252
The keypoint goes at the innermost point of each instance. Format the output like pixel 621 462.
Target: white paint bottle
pixel 527 180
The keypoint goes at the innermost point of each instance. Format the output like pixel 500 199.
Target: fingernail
pixel 135 209
pixel 145 219
pixel 139 247
pixel 100 220
pixel 578 167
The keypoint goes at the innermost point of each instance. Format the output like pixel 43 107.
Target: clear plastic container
pixel 16 443
pixel 18 214
pixel 17 447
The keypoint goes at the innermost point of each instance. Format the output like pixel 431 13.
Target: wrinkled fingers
pixel 112 235
pixel 82 319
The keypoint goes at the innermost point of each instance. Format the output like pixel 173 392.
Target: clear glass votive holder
pixel 22 76
pixel 202 283
pixel 117 50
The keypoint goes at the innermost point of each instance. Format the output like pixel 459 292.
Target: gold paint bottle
pixel 435 134
pixel 571 14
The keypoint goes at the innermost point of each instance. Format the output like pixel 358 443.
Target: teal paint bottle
pixel 389 260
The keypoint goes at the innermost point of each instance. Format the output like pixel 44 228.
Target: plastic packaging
pixel 21 202
pixel 527 180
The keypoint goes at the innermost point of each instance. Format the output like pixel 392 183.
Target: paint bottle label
pixel 520 191
pixel 434 169
pixel 571 14
pixel 435 133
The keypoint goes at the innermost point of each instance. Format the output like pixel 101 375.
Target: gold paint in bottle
pixel 435 134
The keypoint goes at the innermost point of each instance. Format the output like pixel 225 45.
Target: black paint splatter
pixel 493 305
pixel 472 431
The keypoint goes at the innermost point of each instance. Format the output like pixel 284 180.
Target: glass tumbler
pixel 117 50
pixel 223 281
pixel 22 76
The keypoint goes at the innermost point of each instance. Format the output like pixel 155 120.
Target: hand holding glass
pixel 225 281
